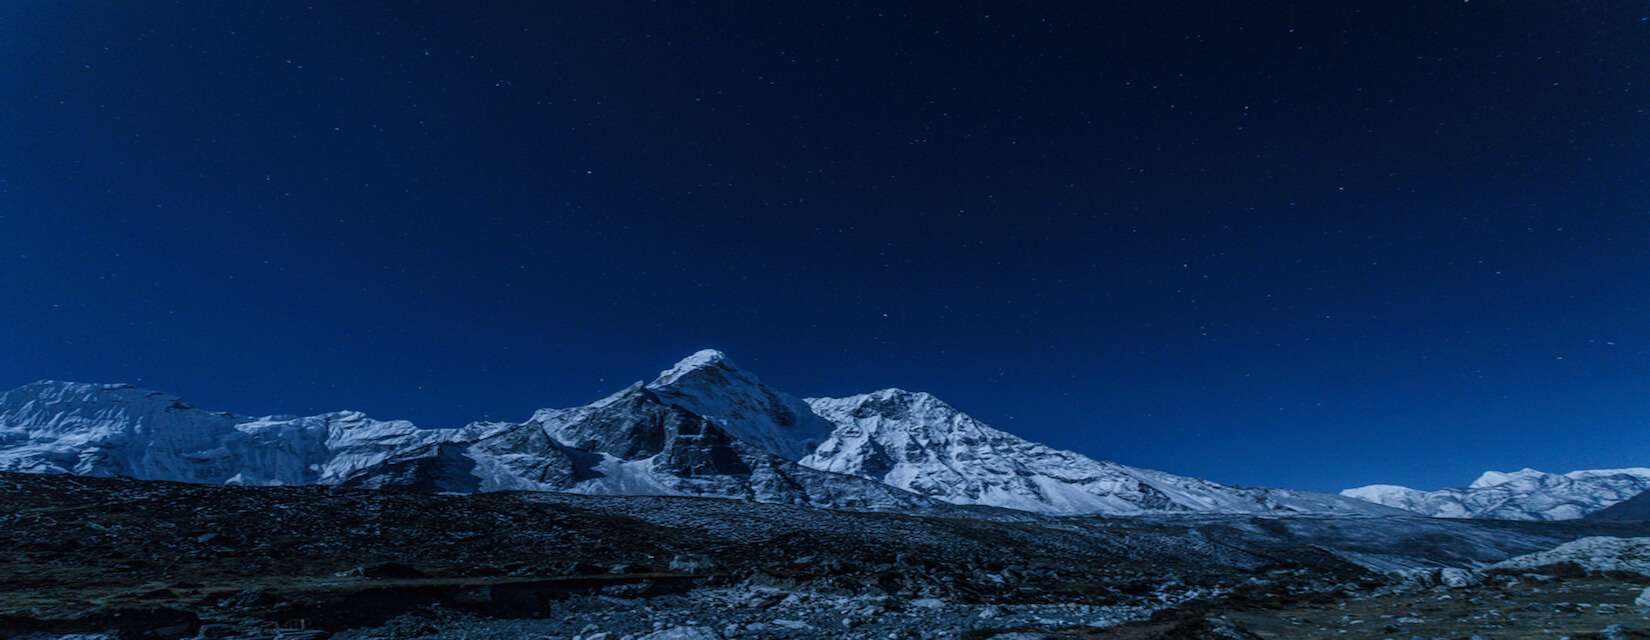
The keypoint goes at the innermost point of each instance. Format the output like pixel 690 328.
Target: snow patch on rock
pixel 1594 555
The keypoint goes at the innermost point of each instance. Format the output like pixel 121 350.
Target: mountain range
pixel 1526 494
pixel 703 427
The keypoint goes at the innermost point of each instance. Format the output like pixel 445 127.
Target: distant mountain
pixel 120 430
pixel 704 427
pixel 916 442
pixel 1519 495
pixel 1634 509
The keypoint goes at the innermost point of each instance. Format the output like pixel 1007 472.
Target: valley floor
pixel 1580 609
pixel 1511 609
pixel 1574 608
pixel 128 559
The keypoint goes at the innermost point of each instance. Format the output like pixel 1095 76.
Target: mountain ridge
pixel 1526 494
pixel 704 426
pixel 915 441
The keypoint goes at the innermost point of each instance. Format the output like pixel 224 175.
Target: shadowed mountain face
pixel 1634 509
pixel 637 424
pixel 516 458
pixel 707 383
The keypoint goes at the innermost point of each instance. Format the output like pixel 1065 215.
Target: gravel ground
pixel 153 560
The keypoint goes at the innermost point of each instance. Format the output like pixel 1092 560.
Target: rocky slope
pixel 917 442
pixel 1520 495
pixel 174 560
pixel 1598 555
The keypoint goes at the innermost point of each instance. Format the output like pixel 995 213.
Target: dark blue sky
pixel 1313 245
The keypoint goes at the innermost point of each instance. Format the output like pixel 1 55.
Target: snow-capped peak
pixel 76 386
pixel 65 391
pixel 896 393
pixel 915 441
pixel 703 427
pixel 709 384
pixel 1594 473
pixel 700 359
pixel 1382 493
pixel 1492 478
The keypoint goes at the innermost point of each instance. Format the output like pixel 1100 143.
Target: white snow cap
pixel 1492 478
pixel 1380 493
pixel 700 359
pixel 1526 494
pixel 862 451
pixel 1595 473
pixel 709 384
pixel 915 441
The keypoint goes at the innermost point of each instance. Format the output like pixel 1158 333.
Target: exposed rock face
pixel 517 458
pixel 1520 495
pixel 637 424
pixel 709 384
pixel 440 467
pixel 631 443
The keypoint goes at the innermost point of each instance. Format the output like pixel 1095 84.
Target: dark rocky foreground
pixel 134 559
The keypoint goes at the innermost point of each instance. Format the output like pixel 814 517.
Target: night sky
pixel 1314 245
